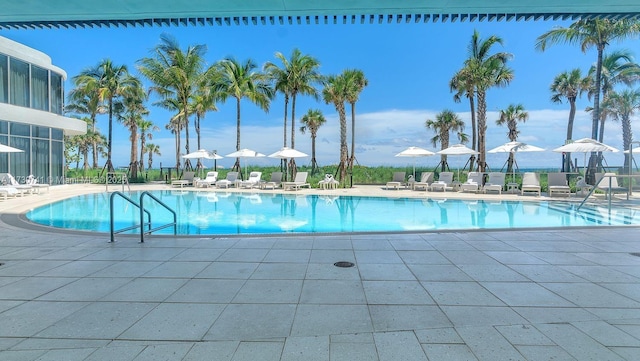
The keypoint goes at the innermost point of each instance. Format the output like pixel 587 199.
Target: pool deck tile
pixel 474 295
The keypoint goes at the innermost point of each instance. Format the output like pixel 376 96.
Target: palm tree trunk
pixel 474 130
pixel 627 137
pixel 283 162
pixel 353 136
pixel 344 151
pixel 593 159
pixel 292 163
pixel 94 143
pixel 482 128
pixel 109 165
pixel 313 153
pixel 236 165
pixel 133 167
pixel 142 145
pixel 572 116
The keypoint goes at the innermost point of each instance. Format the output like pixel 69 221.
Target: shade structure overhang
pixel 8 149
pixel 415 152
pixel 245 153
pixel 202 153
pixel 514 147
pixel 585 145
pixel 457 149
pixel 286 152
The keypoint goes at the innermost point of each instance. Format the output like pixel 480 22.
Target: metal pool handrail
pixel 131 201
pixel 175 218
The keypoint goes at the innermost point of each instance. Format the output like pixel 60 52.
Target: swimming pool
pixel 226 213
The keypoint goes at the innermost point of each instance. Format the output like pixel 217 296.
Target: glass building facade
pixel 31 108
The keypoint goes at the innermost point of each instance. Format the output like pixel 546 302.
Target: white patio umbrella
pixel 202 154
pixel 286 153
pixel 515 147
pixel 457 149
pixel 245 153
pixel 8 149
pixel 585 145
pixel 414 152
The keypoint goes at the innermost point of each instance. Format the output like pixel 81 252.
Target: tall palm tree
pixel 462 84
pixel 486 71
pixel 152 149
pixel 510 117
pixel 131 111
pixel 356 82
pixel 85 100
pixel 175 124
pixel 240 81
pixel 568 85
pixel 335 92
pixel 622 106
pixel 446 121
pixel 204 101
pixel 312 121
pixel 110 81
pixel 145 127
pixel 297 76
pixel 176 74
pixel 591 33
pixel 618 67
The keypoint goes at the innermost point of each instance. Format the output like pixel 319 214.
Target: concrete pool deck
pixel 566 294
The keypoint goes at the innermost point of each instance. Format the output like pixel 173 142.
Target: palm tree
pixel 356 82
pixel 242 81
pixel 297 75
pixel 110 82
pixel 145 127
pixel 485 71
pixel 204 101
pixel 335 92
pixel 152 149
pixel 131 111
pixel 462 84
pixel 510 117
pixel 617 68
pixel 446 121
pixel 312 121
pixel 568 85
pixel 86 101
pixel 177 75
pixel 622 106
pixel 591 33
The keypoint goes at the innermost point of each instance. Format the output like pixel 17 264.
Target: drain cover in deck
pixel 344 264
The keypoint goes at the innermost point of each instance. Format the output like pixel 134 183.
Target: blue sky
pixel 408 67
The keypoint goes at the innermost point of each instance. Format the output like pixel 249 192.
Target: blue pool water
pixel 214 213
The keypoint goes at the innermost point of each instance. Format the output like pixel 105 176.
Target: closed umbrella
pixel 585 145
pixel 458 149
pixel 245 153
pixel 414 152
pixel 515 147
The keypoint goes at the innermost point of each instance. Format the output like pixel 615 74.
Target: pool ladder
pixel 145 227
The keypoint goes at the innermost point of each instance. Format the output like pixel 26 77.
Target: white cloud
pixel 380 135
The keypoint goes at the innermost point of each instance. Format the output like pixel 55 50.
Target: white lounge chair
pixel 8 180
pixel 530 183
pixel 33 182
pixel 9 191
pixel 445 182
pixel 397 182
pixel 495 183
pixel 557 183
pixel 608 183
pixel 328 182
pixel 274 182
pixel 299 181
pixel 230 181
pixel 426 178
pixel 473 183
pixel 208 181
pixel 186 180
pixel 252 181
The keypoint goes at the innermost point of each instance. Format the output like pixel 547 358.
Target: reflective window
pixel 39 88
pixel 57 95
pixel 4 128
pixel 57 134
pixel 4 79
pixel 19 83
pixel 20 129
pixel 40 132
